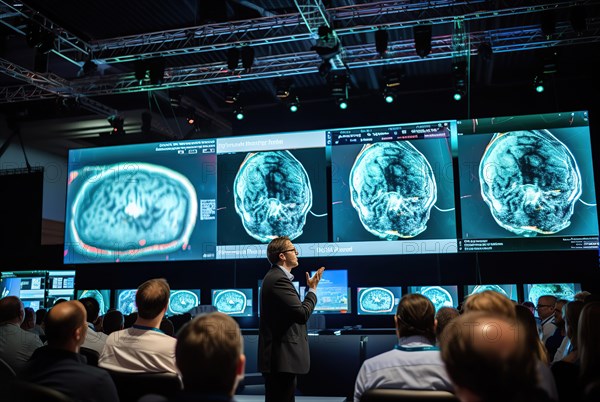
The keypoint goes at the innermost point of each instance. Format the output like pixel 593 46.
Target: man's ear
pixel 241 366
pixel 435 324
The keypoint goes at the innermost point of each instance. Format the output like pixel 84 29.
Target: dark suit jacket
pixel 282 336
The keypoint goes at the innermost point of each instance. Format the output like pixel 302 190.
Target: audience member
pixel 130 319
pixel 443 316
pixel 588 341
pixel 93 339
pixel 530 306
pixel 113 321
pixel 571 312
pixel 486 358
pixel 40 315
pixel 545 309
pixel 16 344
pixel 29 320
pixel 143 347
pixel 167 327
pixel 531 336
pixel 556 339
pixel 415 362
pixel 581 295
pixel 59 365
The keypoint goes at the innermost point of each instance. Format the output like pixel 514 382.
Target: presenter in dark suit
pixel 283 340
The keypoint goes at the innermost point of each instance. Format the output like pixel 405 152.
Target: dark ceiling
pixel 45 44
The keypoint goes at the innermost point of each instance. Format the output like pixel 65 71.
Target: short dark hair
pixel 60 327
pixel 207 353
pixel 152 297
pixel 92 308
pixel 416 316
pixel 443 316
pixel 10 308
pixel 113 321
pixel 276 247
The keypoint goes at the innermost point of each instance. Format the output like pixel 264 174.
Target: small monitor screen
pixel 440 296
pixel 233 302
pixel 29 286
pixel 532 292
pixel 103 297
pixel 333 292
pixel 182 300
pixel 61 285
pixel 378 300
pixel 509 291
pixel 125 301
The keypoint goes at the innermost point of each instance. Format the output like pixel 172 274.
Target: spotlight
pixel 459 71
pixel 116 123
pixel 538 83
pixel 388 96
pixel 342 103
pixel 282 88
pixel 381 41
pixel 232 93
pixel 422 35
pixel 577 17
pixel 233 58
pixel 238 112
pixel 339 89
pixel 294 104
pixel 247 58
pixel 391 84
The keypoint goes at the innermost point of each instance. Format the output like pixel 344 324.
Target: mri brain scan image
pixel 439 296
pixel 560 290
pixel 494 288
pixel 181 301
pixel 272 195
pixel 230 301
pixel 133 209
pixel 392 187
pixel 376 300
pixel 96 295
pixel 126 302
pixel 530 182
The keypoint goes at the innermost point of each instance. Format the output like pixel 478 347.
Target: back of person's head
pixel 152 297
pixel 113 321
pixel 491 302
pixel 529 305
pixel 571 313
pixel 40 316
pixel 415 316
pixel 66 325
pixel 581 295
pixel 11 310
pixel 29 320
pixel 486 357
pixel 92 308
pixel 532 338
pixel 588 342
pixel 443 316
pixel 167 327
pixel 129 320
pixel 209 354
pixel 276 247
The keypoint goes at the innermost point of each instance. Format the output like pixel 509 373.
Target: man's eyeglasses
pixel 292 249
pixel 539 306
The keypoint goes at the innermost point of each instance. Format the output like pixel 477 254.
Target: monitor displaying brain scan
pixel 233 302
pixel 125 301
pixel 378 300
pixel 532 292
pixel 145 202
pixel 440 296
pixel 102 296
pixel 181 301
pixel 527 183
pixel 509 291
pixel 393 188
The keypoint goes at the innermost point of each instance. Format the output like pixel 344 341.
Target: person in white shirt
pixel 144 347
pixel 16 344
pixel 93 339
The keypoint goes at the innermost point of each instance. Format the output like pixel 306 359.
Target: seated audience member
pixel 532 339
pixel 545 309
pixel 29 320
pixel 210 358
pixel 581 295
pixel 93 339
pixel 16 344
pixel 415 362
pixel 443 316
pixel 58 365
pixel 487 360
pixel 588 341
pixel 143 347
pixel 167 327
pixel 40 315
pixel 113 321
pixel 556 339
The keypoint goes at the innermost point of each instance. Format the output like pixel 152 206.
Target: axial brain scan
pixel 494 288
pixel 439 296
pixel 392 187
pixel 126 302
pixel 560 290
pixel 96 295
pixel 230 301
pixel 181 301
pixel 530 181
pixel 133 209
pixel 376 300
pixel 272 195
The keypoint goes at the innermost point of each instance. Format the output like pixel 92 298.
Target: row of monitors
pixel 38 288
pixel 495 184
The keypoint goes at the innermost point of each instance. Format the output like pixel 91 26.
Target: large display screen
pixel 532 292
pixel 378 300
pixel 509 291
pixel 233 302
pixel 183 300
pixel 101 295
pixel 333 293
pixel 440 296
pixel 524 183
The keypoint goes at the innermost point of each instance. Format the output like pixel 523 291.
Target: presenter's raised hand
pixel 314 281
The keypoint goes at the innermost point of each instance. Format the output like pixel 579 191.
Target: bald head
pixel 66 325
pixel 11 310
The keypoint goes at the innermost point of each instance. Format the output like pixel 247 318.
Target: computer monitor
pixel 102 295
pixel 125 301
pixel 29 286
pixel 533 291
pixel 333 294
pixel 440 296
pixel 509 291
pixel 378 300
pixel 182 300
pixel 233 302
pixel 61 285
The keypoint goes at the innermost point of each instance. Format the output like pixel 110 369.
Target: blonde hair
pixel 491 302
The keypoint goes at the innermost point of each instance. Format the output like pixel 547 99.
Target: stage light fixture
pixel 327 47
pixel 538 83
pixel 391 84
pixel 116 123
pixel 233 58
pixel 459 72
pixel 577 17
pixel 282 87
pixel 389 97
pixel 294 104
pixel 238 112
pixel 381 41
pixel 422 37
pixel 342 103
pixel 339 89
pixel 232 93
pixel 247 58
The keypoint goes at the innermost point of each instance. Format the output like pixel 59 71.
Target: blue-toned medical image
pixel 378 300
pixel 262 195
pixel 333 292
pixel 440 296
pixel 567 291
pixel 181 301
pixel 509 291
pixel 102 296
pixel 393 190
pixel 126 301
pixel 140 203
pixel 234 302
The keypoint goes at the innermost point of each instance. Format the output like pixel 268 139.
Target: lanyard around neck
pixel 415 348
pixel 136 326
